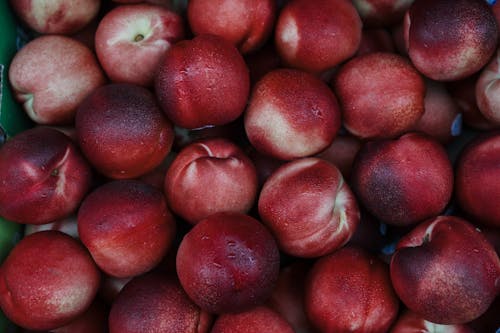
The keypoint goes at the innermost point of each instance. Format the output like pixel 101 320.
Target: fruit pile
pixel 253 166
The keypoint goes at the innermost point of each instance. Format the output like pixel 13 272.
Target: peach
pixel 442 118
pixel 291 114
pixel 308 207
pixel 203 81
pixel 245 23
pixel 156 303
pixel 477 179
pixel 377 13
pixel 446 271
pixel 47 281
pixel 446 45
pixel 51 75
pixel 44 176
pixel 316 36
pixel 56 17
pixel 210 176
pixel 228 262
pixel 256 320
pixel 127 227
pixel 409 322
pixel 122 131
pixel 487 89
pixel 131 40
pixel 350 291
pixel 373 107
pixel 403 181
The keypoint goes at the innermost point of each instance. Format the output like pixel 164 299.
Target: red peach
pixel 228 262
pixel 477 178
pixel 156 303
pixel 377 13
pixel 450 39
pixel 256 320
pixel 44 177
pixel 201 82
pixel 56 17
pixel 372 105
pixel 403 181
pixel 350 291
pixel 245 23
pixel 487 90
pixel 316 36
pixel 131 40
pixel 291 114
pixel 410 322
pixel 127 227
pixel 308 207
pixel 51 75
pixel 446 271
pixel 210 176
pixel 122 131
pixel 47 281
pixel 442 118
